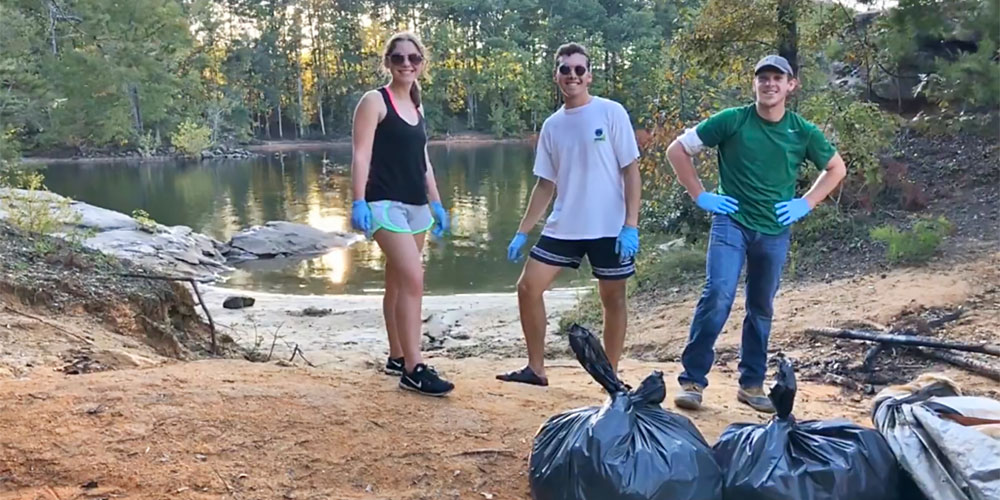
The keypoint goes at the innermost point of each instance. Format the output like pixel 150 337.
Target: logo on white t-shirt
pixel 599 135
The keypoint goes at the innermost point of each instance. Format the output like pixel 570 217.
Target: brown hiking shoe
pixel 755 398
pixel 690 396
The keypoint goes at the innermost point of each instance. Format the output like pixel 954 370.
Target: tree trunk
pixel 301 108
pixel 788 35
pixel 317 59
pixel 52 27
pixel 471 98
pixel 281 128
pixel 319 107
pixel 133 96
pixel 267 126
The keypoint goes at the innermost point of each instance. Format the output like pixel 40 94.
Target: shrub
pixel 145 222
pixel 192 138
pixel 913 246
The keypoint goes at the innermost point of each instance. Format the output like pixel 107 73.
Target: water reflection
pixel 487 188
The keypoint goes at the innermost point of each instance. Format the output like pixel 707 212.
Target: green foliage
pixel 826 228
pixel 146 223
pixel 678 267
pixel 965 74
pixel 915 245
pixel 588 312
pixel 861 132
pixel 681 266
pixel 35 210
pixel 192 138
pixel 147 144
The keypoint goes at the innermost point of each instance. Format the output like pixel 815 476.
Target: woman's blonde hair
pixel 406 36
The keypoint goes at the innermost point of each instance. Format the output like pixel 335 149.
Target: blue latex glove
pixel 441 224
pixel 627 244
pixel 514 248
pixel 791 211
pixel 361 216
pixel 717 203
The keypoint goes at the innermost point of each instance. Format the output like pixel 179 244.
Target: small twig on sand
pixel 224 483
pixel 275 341
pixel 831 378
pixel 298 351
pixel 484 451
pixel 53 493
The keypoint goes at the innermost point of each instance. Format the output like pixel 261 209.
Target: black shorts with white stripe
pixel 604 261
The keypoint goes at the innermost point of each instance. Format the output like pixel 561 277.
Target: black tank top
pixel 398 167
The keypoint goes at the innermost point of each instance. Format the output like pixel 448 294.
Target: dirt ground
pixel 232 429
pixel 154 427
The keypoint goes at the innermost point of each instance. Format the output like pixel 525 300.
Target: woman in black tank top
pixel 391 174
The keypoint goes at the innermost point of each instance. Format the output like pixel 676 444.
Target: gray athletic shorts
pixel 399 217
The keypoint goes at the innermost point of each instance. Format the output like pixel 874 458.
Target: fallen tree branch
pixel 908 340
pixel 972 365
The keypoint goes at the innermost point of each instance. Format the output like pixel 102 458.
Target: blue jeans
pixel 729 245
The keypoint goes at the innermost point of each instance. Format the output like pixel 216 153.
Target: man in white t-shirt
pixel 587 156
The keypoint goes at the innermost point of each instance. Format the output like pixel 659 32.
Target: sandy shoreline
pixel 461 325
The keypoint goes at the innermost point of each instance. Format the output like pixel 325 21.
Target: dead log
pixel 907 340
pixel 972 365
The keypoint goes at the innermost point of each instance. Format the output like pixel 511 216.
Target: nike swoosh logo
pixel 418 385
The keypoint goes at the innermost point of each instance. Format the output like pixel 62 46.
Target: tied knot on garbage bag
pixel 808 459
pixel 628 448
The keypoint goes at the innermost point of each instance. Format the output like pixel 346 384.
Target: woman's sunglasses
pixel 398 59
pixel 564 69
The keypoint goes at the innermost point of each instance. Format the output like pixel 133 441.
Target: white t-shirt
pixel 583 151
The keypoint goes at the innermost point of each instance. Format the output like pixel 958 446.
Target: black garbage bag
pixel 628 449
pixel 807 460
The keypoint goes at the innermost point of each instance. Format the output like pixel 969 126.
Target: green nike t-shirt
pixel 759 160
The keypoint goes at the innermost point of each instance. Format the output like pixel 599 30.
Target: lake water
pixel 486 188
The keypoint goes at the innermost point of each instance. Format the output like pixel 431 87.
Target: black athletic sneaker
pixel 394 366
pixel 425 381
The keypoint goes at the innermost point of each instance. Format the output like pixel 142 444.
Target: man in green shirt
pixel 760 149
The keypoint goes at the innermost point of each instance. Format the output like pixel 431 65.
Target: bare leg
pixel 389 302
pixel 408 276
pixel 613 298
pixel 535 279
pixel 389 312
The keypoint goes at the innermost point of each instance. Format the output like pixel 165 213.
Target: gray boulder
pixel 173 251
pixel 285 239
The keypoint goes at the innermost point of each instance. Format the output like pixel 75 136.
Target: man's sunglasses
pixel 398 59
pixel 564 69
